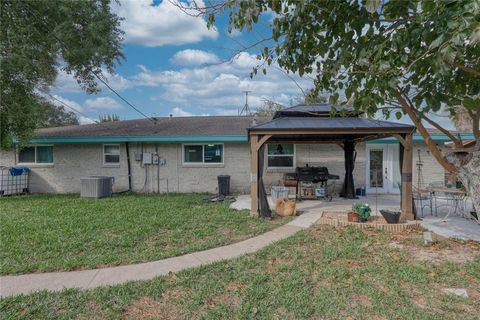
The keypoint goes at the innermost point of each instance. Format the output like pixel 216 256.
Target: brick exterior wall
pixel 71 162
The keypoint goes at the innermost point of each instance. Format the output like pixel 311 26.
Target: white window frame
pixel 203 163
pixel 294 155
pixel 35 162
pixel 111 154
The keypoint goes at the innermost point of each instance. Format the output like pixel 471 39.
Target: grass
pixel 41 233
pixel 320 273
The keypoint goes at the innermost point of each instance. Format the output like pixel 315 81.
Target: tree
pixel 108 118
pixel 268 108
pixel 38 38
pixel 55 116
pixel 312 96
pixel 401 57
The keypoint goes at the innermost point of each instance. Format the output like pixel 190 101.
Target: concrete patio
pixel 455 227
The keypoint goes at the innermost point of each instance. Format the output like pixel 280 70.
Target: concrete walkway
pixel 87 279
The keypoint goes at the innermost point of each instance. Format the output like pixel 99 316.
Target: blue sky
pixel 175 65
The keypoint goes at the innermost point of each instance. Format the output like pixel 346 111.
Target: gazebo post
pixel 254 174
pixel 407 164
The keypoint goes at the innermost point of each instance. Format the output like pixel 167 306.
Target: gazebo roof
pixel 325 110
pixel 350 125
pixel 309 123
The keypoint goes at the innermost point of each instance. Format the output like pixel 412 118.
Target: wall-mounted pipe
pixel 129 168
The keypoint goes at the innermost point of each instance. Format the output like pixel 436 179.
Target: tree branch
pixel 410 110
pixel 467 69
pixel 476 123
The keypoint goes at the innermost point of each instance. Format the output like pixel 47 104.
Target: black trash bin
pixel 223 185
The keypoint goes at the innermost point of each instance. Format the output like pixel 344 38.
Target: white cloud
pixel 190 57
pixel 163 24
pixel 69 105
pixel 102 103
pixel 179 112
pixel 66 82
pixel 218 88
pixel 85 120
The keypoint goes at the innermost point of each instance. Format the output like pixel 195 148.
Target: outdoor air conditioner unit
pixel 96 187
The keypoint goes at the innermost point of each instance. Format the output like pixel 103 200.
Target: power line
pixel 93 72
pixel 69 107
pixel 83 114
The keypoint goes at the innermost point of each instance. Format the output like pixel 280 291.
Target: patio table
pixel 456 200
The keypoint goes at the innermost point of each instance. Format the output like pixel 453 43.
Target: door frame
pixel 389 172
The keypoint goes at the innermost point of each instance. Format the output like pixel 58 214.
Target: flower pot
pixel 352 216
pixel 391 217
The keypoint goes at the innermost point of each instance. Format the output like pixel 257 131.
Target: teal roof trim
pixel 440 137
pixel 200 139
pixel 159 139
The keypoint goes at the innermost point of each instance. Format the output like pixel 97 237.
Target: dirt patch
pixel 450 251
pixel 175 293
pixel 165 308
pixel 443 250
pixel 360 300
pixel 234 286
pixel 147 308
pixel 438 256
pixel 420 302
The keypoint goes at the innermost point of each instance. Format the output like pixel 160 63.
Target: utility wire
pixel 93 72
pixel 69 107
pixel 81 113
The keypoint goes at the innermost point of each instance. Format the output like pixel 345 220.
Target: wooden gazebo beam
pixel 407 166
pixel 256 142
pixel 258 138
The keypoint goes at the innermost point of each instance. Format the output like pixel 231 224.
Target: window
pixel 281 155
pixel 36 154
pixel 203 153
pixel 111 153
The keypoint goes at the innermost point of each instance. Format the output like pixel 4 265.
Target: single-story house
pixel 186 154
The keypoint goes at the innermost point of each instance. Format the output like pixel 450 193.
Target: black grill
pixel 314 174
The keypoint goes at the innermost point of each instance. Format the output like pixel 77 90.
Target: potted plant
pixel 364 212
pixel 361 212
pixel 353 216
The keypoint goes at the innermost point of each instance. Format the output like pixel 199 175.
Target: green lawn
pixel 320 273
pixel 55 232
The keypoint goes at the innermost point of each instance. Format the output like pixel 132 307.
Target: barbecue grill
pixel 314 175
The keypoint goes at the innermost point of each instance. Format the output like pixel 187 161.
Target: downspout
pixel 129 169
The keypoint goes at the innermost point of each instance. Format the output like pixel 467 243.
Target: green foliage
pixel 426 50
pixel 109 118
pixel 363 211
pixel 39 37
pixel 55 116
pixel 356 207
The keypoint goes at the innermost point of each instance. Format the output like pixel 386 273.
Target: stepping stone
pixel 461 292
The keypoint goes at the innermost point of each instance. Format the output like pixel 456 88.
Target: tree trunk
pixel 468 171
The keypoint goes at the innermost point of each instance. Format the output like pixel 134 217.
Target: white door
pixel 383 171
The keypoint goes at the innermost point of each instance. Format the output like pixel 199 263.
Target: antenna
pixel 245 107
